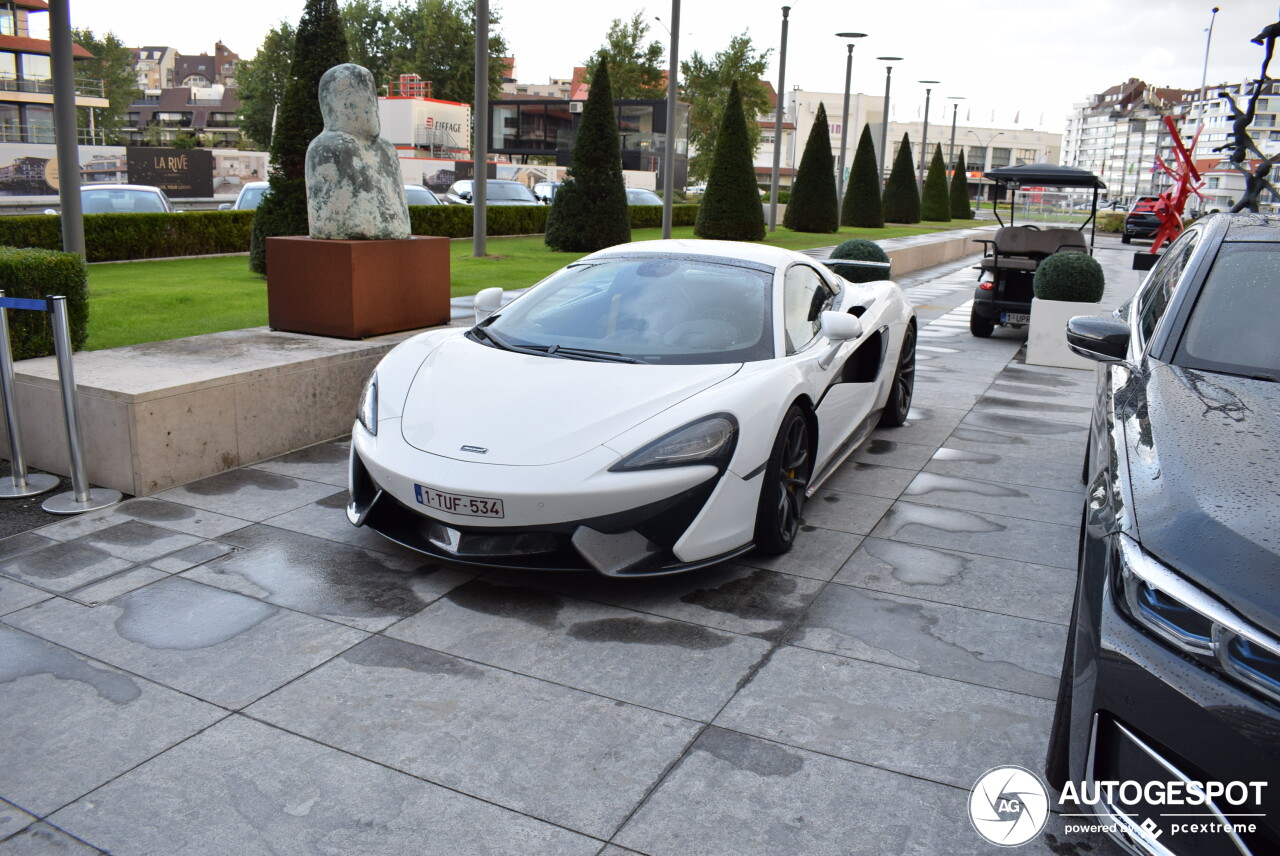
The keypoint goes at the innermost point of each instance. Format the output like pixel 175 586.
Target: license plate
pixel 454 503
pixel 1014 318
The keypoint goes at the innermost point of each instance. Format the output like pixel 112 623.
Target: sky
pixel 1028 60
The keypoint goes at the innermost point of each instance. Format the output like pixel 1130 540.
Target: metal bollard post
pixel 21 483
pixel 81 497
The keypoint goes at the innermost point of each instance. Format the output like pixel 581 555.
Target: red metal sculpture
pixel 1186 180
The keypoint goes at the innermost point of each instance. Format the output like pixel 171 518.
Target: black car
pixel 1172 667
pixel 1141 221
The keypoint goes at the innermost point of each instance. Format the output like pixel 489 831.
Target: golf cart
pixel 1009 261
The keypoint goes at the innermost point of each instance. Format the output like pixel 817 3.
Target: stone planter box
pixel 1047 333
pixel 356 289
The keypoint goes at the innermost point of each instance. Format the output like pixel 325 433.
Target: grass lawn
pixel 146 301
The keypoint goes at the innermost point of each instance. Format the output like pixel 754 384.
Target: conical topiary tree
pixel 320 44
pixel 731 209
pixel 862 205
pixel 812 206
pixel 589 211
pixel 936 204
pixel 901 198
pixel 960 209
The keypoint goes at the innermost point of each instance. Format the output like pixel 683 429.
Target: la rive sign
pixel 180 173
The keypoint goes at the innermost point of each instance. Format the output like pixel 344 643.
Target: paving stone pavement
pixel 229 668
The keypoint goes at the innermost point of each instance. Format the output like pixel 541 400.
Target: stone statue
pixel 354 187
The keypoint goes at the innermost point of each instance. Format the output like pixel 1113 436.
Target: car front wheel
pixel 785 478
pixel 904 380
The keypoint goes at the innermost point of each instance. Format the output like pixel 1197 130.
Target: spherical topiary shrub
pixel 1069 276
pixel 859 250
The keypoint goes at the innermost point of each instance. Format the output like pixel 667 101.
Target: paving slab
pixel 169 515
pixel 15 595
pixel 985 533
pixel 566 756
pixel 243 788
pixel 41 839
pixel 68 724
pixel 61 567
pixel 249 494
pixel 817 554
pixel 1023 501
pixel 323 462
pixel 845 512
pixel 1059 472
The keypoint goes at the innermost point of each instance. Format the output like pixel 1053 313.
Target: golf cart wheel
pixel 979 326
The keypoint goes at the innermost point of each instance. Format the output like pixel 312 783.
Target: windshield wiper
pixel 585 354
pixel 501 343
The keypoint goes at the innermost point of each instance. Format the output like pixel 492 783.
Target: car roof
pixel 757 253
pixel 249 184
pixel 108 185
pixel 1250 227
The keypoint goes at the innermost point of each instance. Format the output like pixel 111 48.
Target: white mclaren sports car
pixel 651 408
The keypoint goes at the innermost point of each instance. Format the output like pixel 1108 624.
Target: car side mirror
pixel 486 302
pixel 465 194
pixel 226 206
pixel 50 211
pixel 838 327
pixel 1097 338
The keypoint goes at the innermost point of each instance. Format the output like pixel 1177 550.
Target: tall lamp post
pixel 924 133
pixel 777 125
pixel 844 124
pixel 986 156
pixel 955 109
pixel 669 155
pixel 1204 72
pixel 884 125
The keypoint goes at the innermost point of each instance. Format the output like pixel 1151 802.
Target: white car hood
pixel 528 411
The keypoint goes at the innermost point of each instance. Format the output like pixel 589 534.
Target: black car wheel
pixel 979 326
pixel 1125 238
pixel 785 478
pixel 904 381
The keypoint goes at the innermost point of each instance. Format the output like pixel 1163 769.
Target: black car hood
pixel 1204 464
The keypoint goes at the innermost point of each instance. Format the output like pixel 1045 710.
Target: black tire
pixel 904 382
pixel 979 326
pixel 785 477
pixel 1125 238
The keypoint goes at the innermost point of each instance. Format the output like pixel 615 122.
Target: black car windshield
pixel 1232 327
pixel 251 197
pixel 674 311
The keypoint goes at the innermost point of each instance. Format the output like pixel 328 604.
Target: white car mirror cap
pixel 50 211
pixel 486 302
pixel 226 206
pixel 840 326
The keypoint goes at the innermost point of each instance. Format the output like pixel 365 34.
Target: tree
pixel 371 38
pixel 812 207
pixel 705 85
pixel 936 204
pixel 901 198
pixel 862 205
pixel 731 209
pixel 261 83
pixel 590 210
pixel 435 39
pixel 635 71
pixel 960 209
pixel 112 63
pixel 321 43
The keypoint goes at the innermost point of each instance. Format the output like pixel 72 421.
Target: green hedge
pixel 1111 221
pixel 29 273
pixel 118 237
pixel 1069 276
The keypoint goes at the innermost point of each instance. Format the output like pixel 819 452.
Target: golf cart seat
pixel 1024 247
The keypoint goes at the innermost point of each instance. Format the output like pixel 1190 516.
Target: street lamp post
pixel 884 125
pixel 669 158
pixel 924 133
pixel 777 125
pixel 955 109
pixel 844 124
pixel 1204 72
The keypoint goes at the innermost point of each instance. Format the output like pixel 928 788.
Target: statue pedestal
pixel 357 289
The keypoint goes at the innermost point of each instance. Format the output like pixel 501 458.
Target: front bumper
pixel 619 524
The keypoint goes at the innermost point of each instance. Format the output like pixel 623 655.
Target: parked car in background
pixel 416 194
pixel 122 199
pixel 1141 221
pixel 1172 664
pixel 711 387
pixel 497 192
pixel 545 191
pixel 249 197
pixel 639 196
pixel 695 190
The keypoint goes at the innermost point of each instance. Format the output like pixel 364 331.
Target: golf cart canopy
pixel 1041 175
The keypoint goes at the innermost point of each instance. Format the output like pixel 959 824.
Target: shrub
pixel 731 209
pixel 589 211
pixel 117 237
pixel 862 205
pixel 1069 276
pixel 320 44
pixel 859 250
pixel 960 209
pixel 650 216
pixel 936 204
pixel 1111 221
pixel 901 197
pixel 34 274
pixel 813 206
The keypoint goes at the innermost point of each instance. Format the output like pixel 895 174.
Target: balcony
pixel 84 86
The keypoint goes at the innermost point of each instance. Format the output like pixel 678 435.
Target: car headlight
pixel 708 440
pixel 1170 607
pixel 367 411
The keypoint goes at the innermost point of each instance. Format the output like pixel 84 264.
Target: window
pixel 804 296
pixel 1232 326
pixel 10 124
pixel 39 123
pixel 35 67
pixel 7 23
pixel 8 65
pixel 1164 280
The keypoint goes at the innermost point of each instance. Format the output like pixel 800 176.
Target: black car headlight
pixel 709 440
pixel 367 410
pixel 1159 600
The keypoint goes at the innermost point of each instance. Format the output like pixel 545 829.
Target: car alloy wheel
pixel 785 478
pixel 904 381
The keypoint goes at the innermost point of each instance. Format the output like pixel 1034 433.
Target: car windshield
pixel 113 201
pixel 250 198
pixel 420 196
pixel 1232 325
pixel 508 190
pixel 643 197
pixel 674 311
